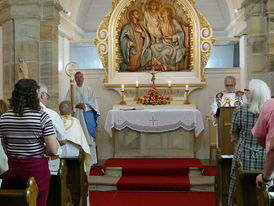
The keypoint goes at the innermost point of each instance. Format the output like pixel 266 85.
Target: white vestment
pixel 227 99
pixel 85 95
pixel 61 134
pixel 58 125
pixel 75 139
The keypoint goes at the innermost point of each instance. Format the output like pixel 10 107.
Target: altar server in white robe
pixel 76 138
pixel 228 98
pixel 86 110
pixel 60 131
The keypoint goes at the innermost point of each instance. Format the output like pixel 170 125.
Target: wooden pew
pixel 264 198
pixel 222 178
pixel 59 194
pixel 20 197
pixel 245 193
pixel 77 179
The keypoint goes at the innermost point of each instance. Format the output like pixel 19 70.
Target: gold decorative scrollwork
pixel 200 31
pixel 206 46
pixel 205 32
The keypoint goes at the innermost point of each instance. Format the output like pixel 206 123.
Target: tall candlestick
pixel 122 88
pixel 123 102
pixel 137 83
pixel 187 87
pixel 169 83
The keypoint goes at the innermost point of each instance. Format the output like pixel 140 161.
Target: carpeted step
pixel 153 166
pixel 119 198
pixel 152 183
pixel 117 171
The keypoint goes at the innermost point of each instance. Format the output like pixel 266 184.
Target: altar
pixel 148 132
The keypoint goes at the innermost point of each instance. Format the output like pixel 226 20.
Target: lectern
pixel 225 150
pixel 224 117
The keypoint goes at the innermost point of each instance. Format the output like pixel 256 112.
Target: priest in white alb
pixel 86 110
pixel 230 97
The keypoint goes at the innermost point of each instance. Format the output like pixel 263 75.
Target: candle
pixel 122 88
pixel 187 87
pixel 137 83
pixel 169 83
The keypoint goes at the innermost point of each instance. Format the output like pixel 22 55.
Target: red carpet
pixel 154 183
pixel 210 171
pixel 96 171
pixel 98 198
pixel 154 166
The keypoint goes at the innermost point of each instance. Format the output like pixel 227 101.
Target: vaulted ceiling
pixel 87 14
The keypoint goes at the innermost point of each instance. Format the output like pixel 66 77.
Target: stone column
pixel 260 22
pixel 49 50
pixel 30 31
pixel 270 45
pixel 21 34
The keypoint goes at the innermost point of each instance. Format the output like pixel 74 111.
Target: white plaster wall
pixel 63 59
pixel 201 97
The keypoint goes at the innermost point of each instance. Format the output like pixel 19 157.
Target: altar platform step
pixel 152 174
pixel 118 171
pixel 152 183
pixel 153 167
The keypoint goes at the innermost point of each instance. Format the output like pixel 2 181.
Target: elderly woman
pixel 251 154
pixel 27 134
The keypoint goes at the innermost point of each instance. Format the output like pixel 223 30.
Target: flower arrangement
pixel 153 97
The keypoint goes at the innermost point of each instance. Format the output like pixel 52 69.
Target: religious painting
pixel 167 36
pixel 154 37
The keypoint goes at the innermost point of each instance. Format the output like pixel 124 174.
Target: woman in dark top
pixel 28 135
pixel 251 154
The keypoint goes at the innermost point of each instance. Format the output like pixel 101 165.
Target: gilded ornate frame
pixel 107 43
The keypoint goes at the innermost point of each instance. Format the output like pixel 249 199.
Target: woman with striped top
pixel 27 134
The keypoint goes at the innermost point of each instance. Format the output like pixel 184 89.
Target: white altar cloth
pixel 155 120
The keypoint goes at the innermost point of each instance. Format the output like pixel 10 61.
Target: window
pixel 224 54
pixel 85 54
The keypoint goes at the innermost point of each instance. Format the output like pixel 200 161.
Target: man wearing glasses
pixel 54 161
pixel 230 97
pixel 55 117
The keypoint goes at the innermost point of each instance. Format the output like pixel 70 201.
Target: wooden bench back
pixel 77 179
pixel 246 186
pixel 19 197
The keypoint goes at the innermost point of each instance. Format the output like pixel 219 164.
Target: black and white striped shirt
pixel 24 136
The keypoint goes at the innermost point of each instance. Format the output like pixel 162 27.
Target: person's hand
pixel 62 142
pixel 80 106
pixel 260 181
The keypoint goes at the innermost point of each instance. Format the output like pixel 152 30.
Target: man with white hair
pixel 55 117
pixel 230 97
pixel 58 126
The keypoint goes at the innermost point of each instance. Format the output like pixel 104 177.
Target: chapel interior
pixel 48 34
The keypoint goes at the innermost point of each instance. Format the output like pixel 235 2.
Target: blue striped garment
pixel 24 136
